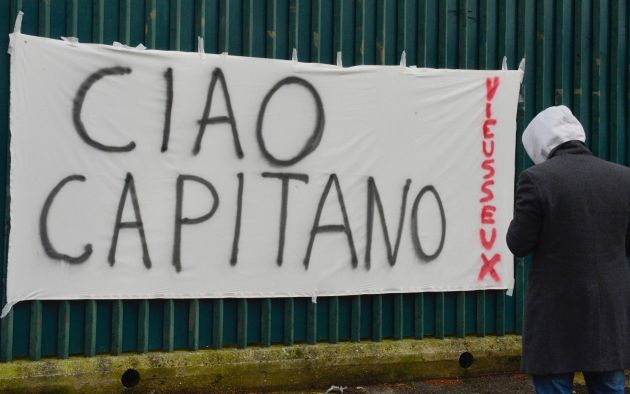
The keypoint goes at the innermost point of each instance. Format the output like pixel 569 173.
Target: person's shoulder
pixel 549 168
pixel 549 171
pixel 613 165
pixel 536 171
pixel 610 166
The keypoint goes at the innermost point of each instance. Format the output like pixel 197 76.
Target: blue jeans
pixel 597 382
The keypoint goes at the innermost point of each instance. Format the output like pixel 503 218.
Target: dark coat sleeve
pixel 522 235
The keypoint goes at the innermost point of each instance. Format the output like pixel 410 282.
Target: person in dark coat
pixel 572 213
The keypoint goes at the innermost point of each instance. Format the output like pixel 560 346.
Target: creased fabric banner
pixel 153 174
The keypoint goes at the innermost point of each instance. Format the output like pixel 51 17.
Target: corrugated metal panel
pixel 577 54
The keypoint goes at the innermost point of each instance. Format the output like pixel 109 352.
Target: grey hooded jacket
pixel 572 213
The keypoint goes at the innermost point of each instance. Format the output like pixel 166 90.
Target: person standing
pixel 572 213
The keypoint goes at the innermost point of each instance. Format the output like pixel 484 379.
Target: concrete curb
pixel 264 369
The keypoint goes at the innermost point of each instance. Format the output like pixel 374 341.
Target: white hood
pixel 550 128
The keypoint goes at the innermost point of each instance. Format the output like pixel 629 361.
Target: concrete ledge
pixel 264 369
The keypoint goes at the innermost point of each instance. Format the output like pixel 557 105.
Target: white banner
pixel 152 174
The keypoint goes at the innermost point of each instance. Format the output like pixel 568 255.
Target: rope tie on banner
pixel 510 287
pixel 339 59
pixel 403 59
pixel 201 49
pixel 17 28
pixel 139 47
pixel 521 67
pixel 73 41
pixel 200 46
pixel 294 57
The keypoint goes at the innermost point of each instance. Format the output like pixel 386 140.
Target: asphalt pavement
pixel 496 384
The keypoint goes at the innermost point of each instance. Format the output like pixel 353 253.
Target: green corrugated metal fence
pixel 577 54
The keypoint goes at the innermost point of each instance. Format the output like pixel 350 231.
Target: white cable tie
pixel 224 54
pixel 521 65
pixel 200 45
pixel 6 309
pixel 334 388
pixel 118 45
pixel 73 41
pixel 314 298
pixel 403 59
pixel 339 59
pixel 504 64
pixel 510 287
pixel 294 57
pixel 17 28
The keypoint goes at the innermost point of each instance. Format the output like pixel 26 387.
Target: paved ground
pixel 514 383
pixel 495 384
